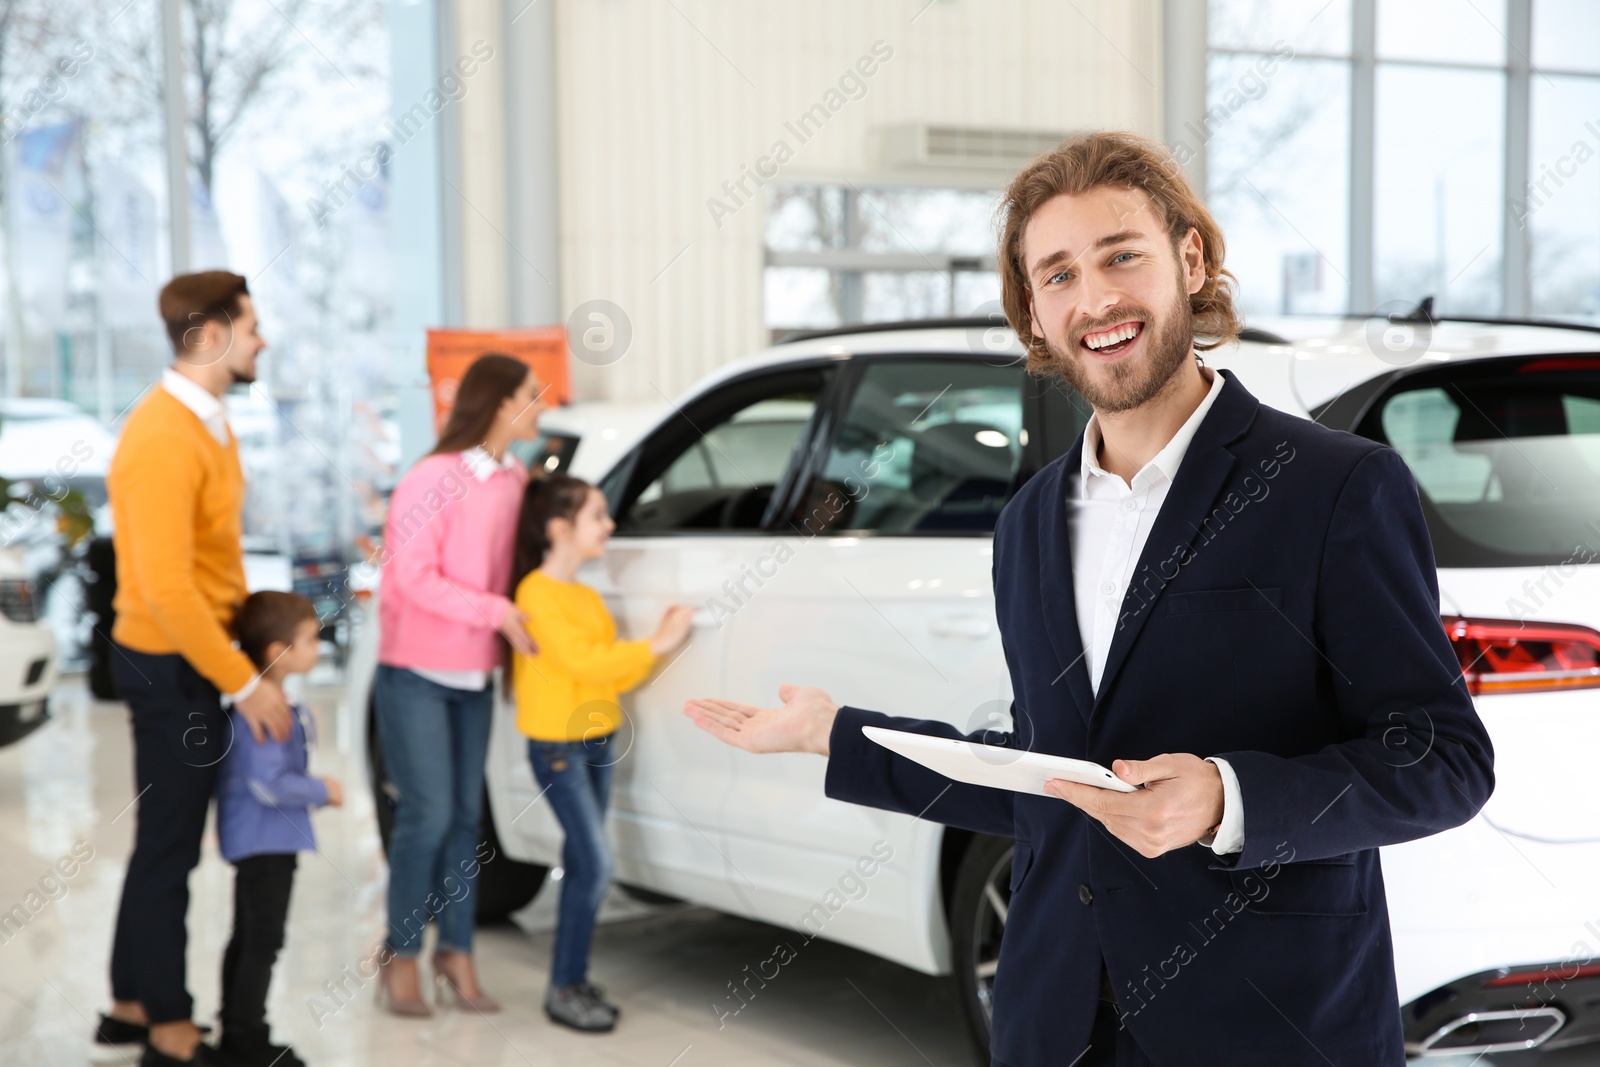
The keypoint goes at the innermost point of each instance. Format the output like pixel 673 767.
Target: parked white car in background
pixel 28 664
pixel 829 504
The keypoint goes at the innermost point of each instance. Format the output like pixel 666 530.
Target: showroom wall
pixel 671 117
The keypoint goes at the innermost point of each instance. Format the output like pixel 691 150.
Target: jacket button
pixel 1084 894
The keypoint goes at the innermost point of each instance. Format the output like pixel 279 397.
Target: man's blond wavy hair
pixel 1127 161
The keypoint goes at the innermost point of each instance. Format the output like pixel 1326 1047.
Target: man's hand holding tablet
pixel 1179 802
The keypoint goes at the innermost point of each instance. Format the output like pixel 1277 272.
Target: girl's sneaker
pixel 599 993
pixel 580 1007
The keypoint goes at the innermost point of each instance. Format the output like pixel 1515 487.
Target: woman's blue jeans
pixel 576 779
pixel 435 741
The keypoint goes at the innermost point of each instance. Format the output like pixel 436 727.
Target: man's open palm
pixel 802 724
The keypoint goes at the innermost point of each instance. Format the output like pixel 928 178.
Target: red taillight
pixel 1506 656
pixel 1549 974
pixel 1559 363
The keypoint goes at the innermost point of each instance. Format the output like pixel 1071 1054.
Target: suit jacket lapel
pixel 1055 579
pixel 1200 479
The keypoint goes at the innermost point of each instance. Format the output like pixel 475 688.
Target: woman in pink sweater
pixel 443 611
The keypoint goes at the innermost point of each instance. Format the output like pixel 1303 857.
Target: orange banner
pixel 451 352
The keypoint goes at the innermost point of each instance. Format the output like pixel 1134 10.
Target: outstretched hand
pixel 802 724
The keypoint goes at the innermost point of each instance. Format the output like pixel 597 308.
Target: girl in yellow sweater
pixel 567 706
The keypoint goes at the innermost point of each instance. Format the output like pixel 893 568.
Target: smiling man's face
pixel 1110 294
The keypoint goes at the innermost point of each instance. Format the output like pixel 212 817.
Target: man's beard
pixel 1132 383
pixel 239 377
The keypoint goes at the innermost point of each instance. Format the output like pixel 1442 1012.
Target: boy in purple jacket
pixel 264 797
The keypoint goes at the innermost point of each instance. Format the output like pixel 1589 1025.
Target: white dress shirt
pixel 214 417
pixel 481 466
pixel 199 400
pixel 1109 521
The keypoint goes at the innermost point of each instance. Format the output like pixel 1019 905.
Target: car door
pixel 884 598
pixel 689 502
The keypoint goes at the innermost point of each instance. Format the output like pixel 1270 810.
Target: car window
pixel 925 446
pixel 718 471
pixel 551 452
pixel 1506 456
pixel 761 437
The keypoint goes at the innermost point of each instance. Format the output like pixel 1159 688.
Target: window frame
pixel 849 262
pixel 1518 70
pixel 645 462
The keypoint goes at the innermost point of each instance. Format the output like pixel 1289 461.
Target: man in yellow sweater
pixel 177 491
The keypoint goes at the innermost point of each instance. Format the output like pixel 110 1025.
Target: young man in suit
pixel 177 494
pixel 1232 607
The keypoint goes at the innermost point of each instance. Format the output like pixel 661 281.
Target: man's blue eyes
pixel 1118 258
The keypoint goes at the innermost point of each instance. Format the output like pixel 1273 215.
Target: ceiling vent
pixel 965 146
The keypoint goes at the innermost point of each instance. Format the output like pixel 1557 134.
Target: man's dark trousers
pixel 180 734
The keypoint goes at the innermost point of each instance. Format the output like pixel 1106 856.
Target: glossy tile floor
pixel 69 786
pixel 66 790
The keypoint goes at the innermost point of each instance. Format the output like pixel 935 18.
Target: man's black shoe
pixel 253 1048
pixel 204 1056
pixel 110 1031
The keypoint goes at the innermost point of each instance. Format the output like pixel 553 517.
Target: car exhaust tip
pixel 1481 1032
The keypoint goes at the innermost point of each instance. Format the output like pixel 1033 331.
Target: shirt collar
pixel 195 397
pixel 483 466
pixel 207 408
pixel 1169 459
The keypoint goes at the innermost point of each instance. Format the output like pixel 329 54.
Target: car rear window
pixel 1506 454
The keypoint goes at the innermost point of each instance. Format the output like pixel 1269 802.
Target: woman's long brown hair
pixel 488 383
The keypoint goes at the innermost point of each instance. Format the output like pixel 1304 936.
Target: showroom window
pixel 287 183
pixel 1340 136
pixel 841 254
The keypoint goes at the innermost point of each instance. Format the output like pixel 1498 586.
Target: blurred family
pixel 480 571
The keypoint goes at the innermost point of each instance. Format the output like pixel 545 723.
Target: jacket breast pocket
pixel 1265 598
pixel 1333 886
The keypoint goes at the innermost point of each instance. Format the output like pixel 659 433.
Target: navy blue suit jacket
pixel 1285 616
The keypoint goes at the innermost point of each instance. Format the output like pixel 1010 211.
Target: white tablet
pixel 992 765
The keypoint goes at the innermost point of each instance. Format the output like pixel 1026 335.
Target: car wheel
pixel 504 884
pixel 384 792
pixel 978 905
pixel 98 597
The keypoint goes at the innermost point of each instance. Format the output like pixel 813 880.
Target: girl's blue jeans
pixel 576 779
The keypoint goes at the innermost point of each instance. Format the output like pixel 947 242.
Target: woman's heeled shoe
pixel 406 1007
pixel 480 1001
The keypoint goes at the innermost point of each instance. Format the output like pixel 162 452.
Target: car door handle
pixel 968 626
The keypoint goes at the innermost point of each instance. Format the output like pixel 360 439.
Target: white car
pixel 27 652
pixel 828 505
pixel 55 444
